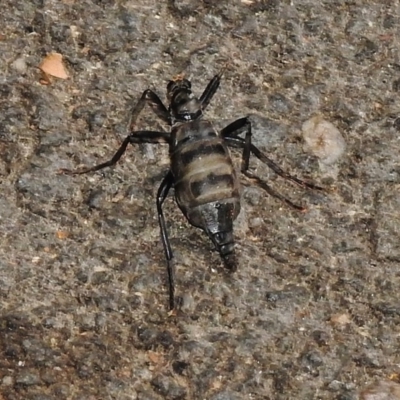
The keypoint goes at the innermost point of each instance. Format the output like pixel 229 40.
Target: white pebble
pixel 19 65
pixel 323 140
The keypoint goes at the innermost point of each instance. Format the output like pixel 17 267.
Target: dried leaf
pixel 52 65
pixel 62 234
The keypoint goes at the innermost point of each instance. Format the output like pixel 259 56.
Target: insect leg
pixel 162 193
pixel 134 137
pixel 150 98
pixel 262 157
pixel 210 90
pixel 264 185
pixel 230 134
pixel 232 131
pixel 241 143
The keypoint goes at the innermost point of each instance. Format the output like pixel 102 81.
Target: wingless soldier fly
pixel 201 170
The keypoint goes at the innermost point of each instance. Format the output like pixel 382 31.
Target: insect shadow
pixel 201 169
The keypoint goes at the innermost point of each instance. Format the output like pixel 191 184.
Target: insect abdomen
pixel 204 173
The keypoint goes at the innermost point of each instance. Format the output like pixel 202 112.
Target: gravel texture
pixel 313 311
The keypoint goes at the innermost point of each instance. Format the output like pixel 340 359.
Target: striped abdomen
pixel 204 175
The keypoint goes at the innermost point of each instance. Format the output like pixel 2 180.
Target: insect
pixel 201 170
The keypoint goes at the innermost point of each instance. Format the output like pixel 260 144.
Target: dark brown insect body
pixel 202 173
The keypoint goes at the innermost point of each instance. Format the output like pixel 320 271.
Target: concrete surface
pixel 313 311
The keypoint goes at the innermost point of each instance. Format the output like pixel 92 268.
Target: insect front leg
pixel 162 194
pixel 211 89
pixel 134 137
pixel 155 103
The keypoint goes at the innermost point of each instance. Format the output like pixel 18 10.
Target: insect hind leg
pixel 162 194
pixel 230 135
pixel 243 125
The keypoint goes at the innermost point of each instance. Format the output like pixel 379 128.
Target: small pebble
pixel 255 222
pixel 323 140
pixel 7 381
pixel 19 65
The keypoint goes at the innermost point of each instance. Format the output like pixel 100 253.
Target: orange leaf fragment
pixel 62 234
pixel 52 65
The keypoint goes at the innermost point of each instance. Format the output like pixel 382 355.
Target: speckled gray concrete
pixel 313 311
